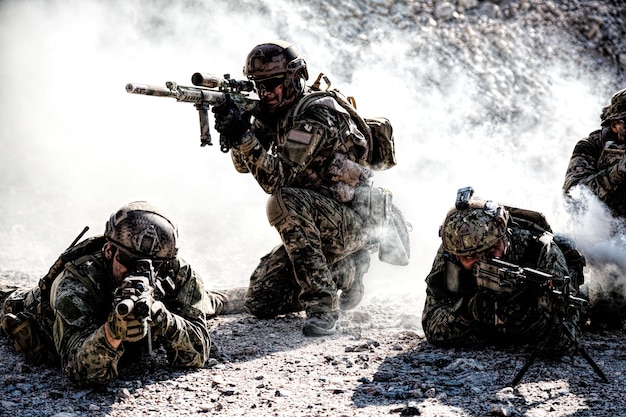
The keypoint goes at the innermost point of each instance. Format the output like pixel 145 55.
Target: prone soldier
pixel 460 312
pixel 109 297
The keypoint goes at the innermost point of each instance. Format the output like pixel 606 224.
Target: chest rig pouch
pixel 611 154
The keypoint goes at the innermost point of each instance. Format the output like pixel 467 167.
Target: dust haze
pixel 76 146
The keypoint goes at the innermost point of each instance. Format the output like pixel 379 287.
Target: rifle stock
pixel 209 91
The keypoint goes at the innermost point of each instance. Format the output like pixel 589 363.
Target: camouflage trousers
pixel 23 323
pixel 323 243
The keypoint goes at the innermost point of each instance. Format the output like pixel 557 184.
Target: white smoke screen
pixel 76 146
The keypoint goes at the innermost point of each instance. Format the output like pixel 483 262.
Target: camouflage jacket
pixel 82 298
pixel 594 164
pixel 449 287
pixel 319 149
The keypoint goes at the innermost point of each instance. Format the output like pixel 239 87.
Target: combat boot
pixel 322 323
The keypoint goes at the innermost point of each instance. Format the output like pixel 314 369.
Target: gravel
pixel 379 362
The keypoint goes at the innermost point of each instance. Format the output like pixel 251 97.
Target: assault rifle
pixel 554 294
pixel 210 90
pixel 138 291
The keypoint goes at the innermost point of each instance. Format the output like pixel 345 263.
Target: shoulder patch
pixel 299 136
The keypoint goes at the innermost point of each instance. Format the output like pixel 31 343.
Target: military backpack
pixel 378 131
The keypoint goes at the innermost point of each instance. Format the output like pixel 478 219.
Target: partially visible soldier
pixel 311 156
pixel 86 315
pixel 598 162
pixel 459 313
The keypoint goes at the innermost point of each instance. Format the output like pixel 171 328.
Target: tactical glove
pixel 162 320
pixel 482 307
pixel 523 312
pixel 127 328
pixel 230 122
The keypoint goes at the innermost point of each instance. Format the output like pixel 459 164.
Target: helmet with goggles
pixel 274 59
pixel 141 230
pixel 473 228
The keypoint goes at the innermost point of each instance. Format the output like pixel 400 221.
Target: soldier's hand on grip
pixel 127 327
pixel 230 122
pixel 482 307
pixel 162 320
pixel 523 311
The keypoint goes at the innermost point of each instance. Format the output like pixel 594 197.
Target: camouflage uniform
pixel 312 165
pixel 450 288
pixel 82 298
pixel 595 164
pixel 598 162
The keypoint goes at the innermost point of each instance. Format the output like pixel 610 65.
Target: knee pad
pixel 276 209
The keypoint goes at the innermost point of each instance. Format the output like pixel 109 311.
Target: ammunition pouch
pixel 344 175
pixel 395 247
pixel 392 230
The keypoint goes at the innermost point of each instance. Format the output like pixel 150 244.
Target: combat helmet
pixel 273 59
pixel 143 231
pixel 473 227
pixel 616 110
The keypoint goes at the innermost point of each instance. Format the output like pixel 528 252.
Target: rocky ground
pixel 379 362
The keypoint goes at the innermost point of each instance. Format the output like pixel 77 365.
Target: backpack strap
pixel 317 96
pixel 74 252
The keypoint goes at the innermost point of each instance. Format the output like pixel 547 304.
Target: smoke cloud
pixel 76 146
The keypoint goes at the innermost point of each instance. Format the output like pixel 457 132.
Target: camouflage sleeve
pixel 551 258
pixel 239 162
pixel 442 320
pixel 86 356
pixel 303 142
pixel 583 169
pixel 187 341
pixel 229 301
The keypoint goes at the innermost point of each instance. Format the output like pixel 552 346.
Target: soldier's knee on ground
pixel 273 289
pixel 267 309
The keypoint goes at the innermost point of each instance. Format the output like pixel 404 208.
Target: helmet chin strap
pixel 293 87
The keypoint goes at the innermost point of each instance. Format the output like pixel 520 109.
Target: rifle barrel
pixel 150 90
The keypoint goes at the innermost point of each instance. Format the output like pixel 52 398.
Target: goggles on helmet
pixel 269 84
pixel 129 260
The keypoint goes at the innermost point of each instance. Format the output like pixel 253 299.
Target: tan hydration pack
pixel 377 130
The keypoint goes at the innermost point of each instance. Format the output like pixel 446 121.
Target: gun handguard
pixel 209 91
